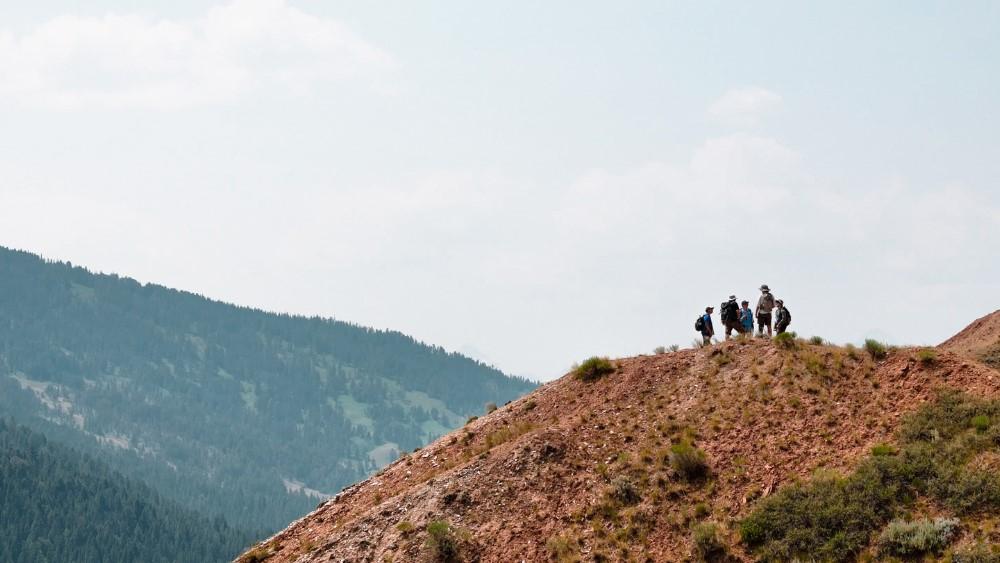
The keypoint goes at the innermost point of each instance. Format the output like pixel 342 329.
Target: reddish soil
pixel 528 481
pixel 976 339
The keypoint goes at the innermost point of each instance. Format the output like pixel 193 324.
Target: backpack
pixel 730 311
pixel 786 317
pixel 699 324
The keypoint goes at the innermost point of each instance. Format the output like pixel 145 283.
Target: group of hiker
pixel 739 317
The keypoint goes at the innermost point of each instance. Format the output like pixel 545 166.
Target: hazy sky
pixel 530 183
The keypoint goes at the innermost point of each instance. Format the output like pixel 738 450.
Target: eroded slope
pixel 537 480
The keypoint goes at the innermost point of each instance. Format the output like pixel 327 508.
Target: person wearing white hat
pixel 763 311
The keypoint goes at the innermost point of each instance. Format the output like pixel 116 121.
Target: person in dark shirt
pixel 783 318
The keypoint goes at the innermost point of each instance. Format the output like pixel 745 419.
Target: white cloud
pixel 744 107
pixel 121 61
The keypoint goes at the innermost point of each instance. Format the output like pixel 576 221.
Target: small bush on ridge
pixel 927 356
pixel 877 350
pixel 593 369
pixel 785 340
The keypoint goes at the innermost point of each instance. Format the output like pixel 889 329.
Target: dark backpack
pixel 699 324
pixel 786 317
pixel 730 311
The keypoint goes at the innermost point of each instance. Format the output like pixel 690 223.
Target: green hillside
pixel 226 409
pixel 59 505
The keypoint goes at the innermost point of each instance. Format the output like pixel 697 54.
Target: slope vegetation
pixel 59 505
pixel 673 457
pixel 225 409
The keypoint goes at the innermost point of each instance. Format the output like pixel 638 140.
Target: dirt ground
pixel 531 481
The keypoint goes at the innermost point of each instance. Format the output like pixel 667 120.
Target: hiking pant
pixel 731 325
pixel 781 327
pixel 706 338
pixel 763 320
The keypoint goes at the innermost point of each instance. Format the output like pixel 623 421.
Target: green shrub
pixel 701 510
pixel 442 541
pixel 593 369
pixel 927 356
pixel 981 422
pixel 256 555
pixel 883 450
pixel 562 549
pixel 705 539
pixel 903 538
pixel 688 461
pixel 660 350
pixel 817 340
pixel 472 419
pixel 979 553
pixel 405 527
pixel 785 340
pixel 830 518
pixel 490 407
pixel 877 350
pixel 674 347
pixel 624 491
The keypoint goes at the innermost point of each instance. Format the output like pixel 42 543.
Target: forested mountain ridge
pixel 59 505
pixel 227 409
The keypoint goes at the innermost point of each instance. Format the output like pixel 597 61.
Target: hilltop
pixel 228 410
pixel 610 469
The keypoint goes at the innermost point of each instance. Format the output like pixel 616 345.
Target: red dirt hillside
pixel 980 340
pixel 531 481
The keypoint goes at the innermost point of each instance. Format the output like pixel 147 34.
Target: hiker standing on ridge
pixel 730 315
pixel 784 317
pixel 704 325
pixel 746 318
pixel 763 311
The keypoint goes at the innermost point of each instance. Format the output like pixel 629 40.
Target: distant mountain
pixel 59 505
pixel 226 409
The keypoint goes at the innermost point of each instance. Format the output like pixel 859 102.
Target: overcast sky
pixel 530 183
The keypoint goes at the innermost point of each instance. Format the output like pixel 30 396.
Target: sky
pixel 527 183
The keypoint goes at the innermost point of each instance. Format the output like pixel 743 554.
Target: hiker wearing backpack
pixel 746 317
pixel 730 316
pixel 704 326
pixel 764 305
pixel 783 319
